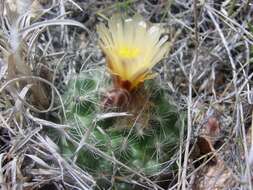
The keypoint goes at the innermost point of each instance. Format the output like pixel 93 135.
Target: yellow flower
pixel 132 47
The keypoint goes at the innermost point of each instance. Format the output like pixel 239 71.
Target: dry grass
pixel 43 43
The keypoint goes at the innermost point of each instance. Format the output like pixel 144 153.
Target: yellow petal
pixel 132 48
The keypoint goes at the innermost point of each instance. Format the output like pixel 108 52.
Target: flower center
pixel 128 52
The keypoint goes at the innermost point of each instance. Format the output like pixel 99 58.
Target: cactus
pixel 109 144
pixel 144 140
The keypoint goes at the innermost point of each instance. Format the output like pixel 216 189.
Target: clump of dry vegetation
pixel 46 44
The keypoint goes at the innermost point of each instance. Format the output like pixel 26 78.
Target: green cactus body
pixel 145 141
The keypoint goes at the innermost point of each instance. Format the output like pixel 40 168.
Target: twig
pixel 189 102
